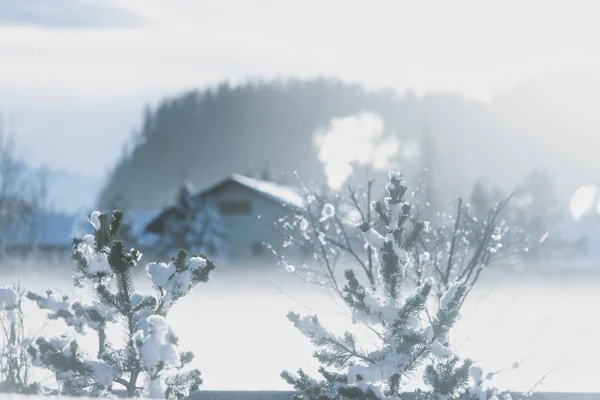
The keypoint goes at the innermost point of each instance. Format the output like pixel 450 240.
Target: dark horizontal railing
pixel 287 395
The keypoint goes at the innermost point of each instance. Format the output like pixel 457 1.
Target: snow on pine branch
pixel 175 279
pixel 79 373
pixel 96 261
pixel 156 347
pixel 74 314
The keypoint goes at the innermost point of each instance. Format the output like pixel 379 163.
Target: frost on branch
pixel 321 234
pixel 460 247
pixel 150 350
pixel 407 337
pixel 15 363
pixel 464 243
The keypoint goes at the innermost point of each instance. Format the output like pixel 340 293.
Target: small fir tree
pixel 150 347
pixel 407 337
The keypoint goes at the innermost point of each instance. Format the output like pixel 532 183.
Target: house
pixel 248 208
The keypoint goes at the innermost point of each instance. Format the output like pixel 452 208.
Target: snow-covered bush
pixel 150 349
pixel 408 337
pixel 15 363
pixel 460 247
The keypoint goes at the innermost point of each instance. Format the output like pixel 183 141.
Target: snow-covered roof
pixel 139 220
pixel 285 195
pixel 280 194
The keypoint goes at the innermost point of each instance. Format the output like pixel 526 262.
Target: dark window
pixel 234 207
pixel 258 249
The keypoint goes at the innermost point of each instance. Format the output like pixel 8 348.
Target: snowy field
pixel 237 327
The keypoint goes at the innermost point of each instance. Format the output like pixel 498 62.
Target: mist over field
pixel 236 326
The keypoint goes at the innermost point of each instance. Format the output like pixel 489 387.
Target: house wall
pixel 246 230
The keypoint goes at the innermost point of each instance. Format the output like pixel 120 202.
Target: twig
pixel 539 382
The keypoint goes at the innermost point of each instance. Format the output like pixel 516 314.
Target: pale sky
pixel 75 74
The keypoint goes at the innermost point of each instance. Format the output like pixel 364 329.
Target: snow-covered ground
pixel 242 340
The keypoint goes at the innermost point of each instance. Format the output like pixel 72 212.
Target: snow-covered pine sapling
pixel 462 245
pixel 407 337
pixel 150 347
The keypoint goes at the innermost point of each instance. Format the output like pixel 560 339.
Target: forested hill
pixel 202 136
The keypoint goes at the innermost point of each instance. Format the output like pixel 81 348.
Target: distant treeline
pixel 203 135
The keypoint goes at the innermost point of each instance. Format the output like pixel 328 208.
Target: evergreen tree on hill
pixel 214 132
pixel 218 131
